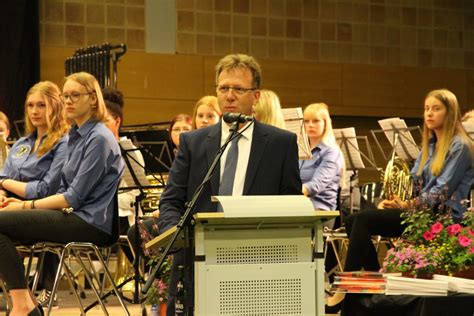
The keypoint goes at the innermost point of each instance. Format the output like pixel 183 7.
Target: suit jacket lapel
pixel 213 142
pixel 259 141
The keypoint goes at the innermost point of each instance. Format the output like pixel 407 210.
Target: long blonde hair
pixel 55 115
pixel 210 101
pixel 452 126
pixel 321 110
pixel 268 109
pixel 98 110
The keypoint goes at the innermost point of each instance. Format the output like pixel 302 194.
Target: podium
pixel 263 255
pixel 259 265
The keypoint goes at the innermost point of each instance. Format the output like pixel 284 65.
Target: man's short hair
pixel 242 61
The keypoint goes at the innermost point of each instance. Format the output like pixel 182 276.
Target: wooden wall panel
pixel 158 86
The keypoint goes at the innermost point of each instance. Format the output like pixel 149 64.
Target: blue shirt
pixel 42 174
pixel 455 180
pixel 321 176
pixel 91 175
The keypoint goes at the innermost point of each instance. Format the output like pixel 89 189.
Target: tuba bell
pixel 397 180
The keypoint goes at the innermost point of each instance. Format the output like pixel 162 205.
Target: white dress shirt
pixel 245 143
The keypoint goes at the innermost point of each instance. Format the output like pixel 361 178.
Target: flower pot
pixel 419 275
pixel 158 310
pixel 163 309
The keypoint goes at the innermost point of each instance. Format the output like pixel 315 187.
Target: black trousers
pixel 27 227
pixel 360 227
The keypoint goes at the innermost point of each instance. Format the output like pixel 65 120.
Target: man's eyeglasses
pixel 74 96
pixel 237 90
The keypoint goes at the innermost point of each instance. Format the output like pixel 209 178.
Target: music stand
pixel 347 140
pixel 135 179
pixel 400 138
pixel 294 123
pixel 155 144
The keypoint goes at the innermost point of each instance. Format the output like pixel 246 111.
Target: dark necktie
pixel 227 183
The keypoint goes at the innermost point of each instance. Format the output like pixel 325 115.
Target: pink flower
pixel 436 228
pixel 464 241
pixel 428 235
pixel 454 229
pixel 471 232
pixel 472 249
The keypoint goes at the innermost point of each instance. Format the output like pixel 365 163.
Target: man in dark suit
pixel 267 159
pixel 268 156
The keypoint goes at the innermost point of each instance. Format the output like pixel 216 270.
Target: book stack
pixel 398 285
pixel 460 285
pixel 359 282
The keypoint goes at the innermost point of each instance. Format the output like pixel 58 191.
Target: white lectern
pixel 268 263
pixel 263 255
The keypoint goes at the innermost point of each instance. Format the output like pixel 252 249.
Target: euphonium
pixel 397 180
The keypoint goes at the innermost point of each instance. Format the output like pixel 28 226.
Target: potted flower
pixel 432 242
pixel 157 294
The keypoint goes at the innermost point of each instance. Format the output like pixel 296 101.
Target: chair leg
pixel 6 296
pixel 111 280
pixel 90 278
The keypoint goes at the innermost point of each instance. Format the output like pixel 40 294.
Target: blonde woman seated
pixel 268 109
pixel 321 175
pixel 206 112
pixel 444 168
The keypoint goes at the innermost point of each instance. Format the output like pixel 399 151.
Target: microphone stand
pixel 185 221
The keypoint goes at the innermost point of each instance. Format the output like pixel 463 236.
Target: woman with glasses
pixel 206 112
pixel 33 167
pixel 82 209
pixel 181 123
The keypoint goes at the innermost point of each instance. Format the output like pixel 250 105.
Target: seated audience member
pixel 179 124
pixel 444 167
pixel 268 109
pixel 206 112
pixel 322 175
pixel 82 209
pixel 33 167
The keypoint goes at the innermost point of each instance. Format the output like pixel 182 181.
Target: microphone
pixel 230 117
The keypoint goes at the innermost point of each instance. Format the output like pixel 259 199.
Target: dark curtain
pixel 19 54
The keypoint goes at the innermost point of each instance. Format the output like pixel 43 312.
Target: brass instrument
pixel 150 202
pixel 397 180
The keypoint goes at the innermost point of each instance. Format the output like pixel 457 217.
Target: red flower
pixel 454 229
pixel 472 249
pixel 428 235
pixel 464 241
pixel 436 228
pixel 471 232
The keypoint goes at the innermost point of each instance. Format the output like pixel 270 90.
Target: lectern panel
pixel 265 246
pixel 284 289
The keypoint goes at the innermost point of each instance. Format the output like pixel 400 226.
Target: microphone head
pixel 230 117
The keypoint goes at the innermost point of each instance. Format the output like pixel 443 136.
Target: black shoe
pixel 37 311
pixel 333 309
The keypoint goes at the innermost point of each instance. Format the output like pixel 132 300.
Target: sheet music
pixel 265 205
pixel 134 155
pixel 294 123
pixel 406 147
pixel 469 128
pixel 347 140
